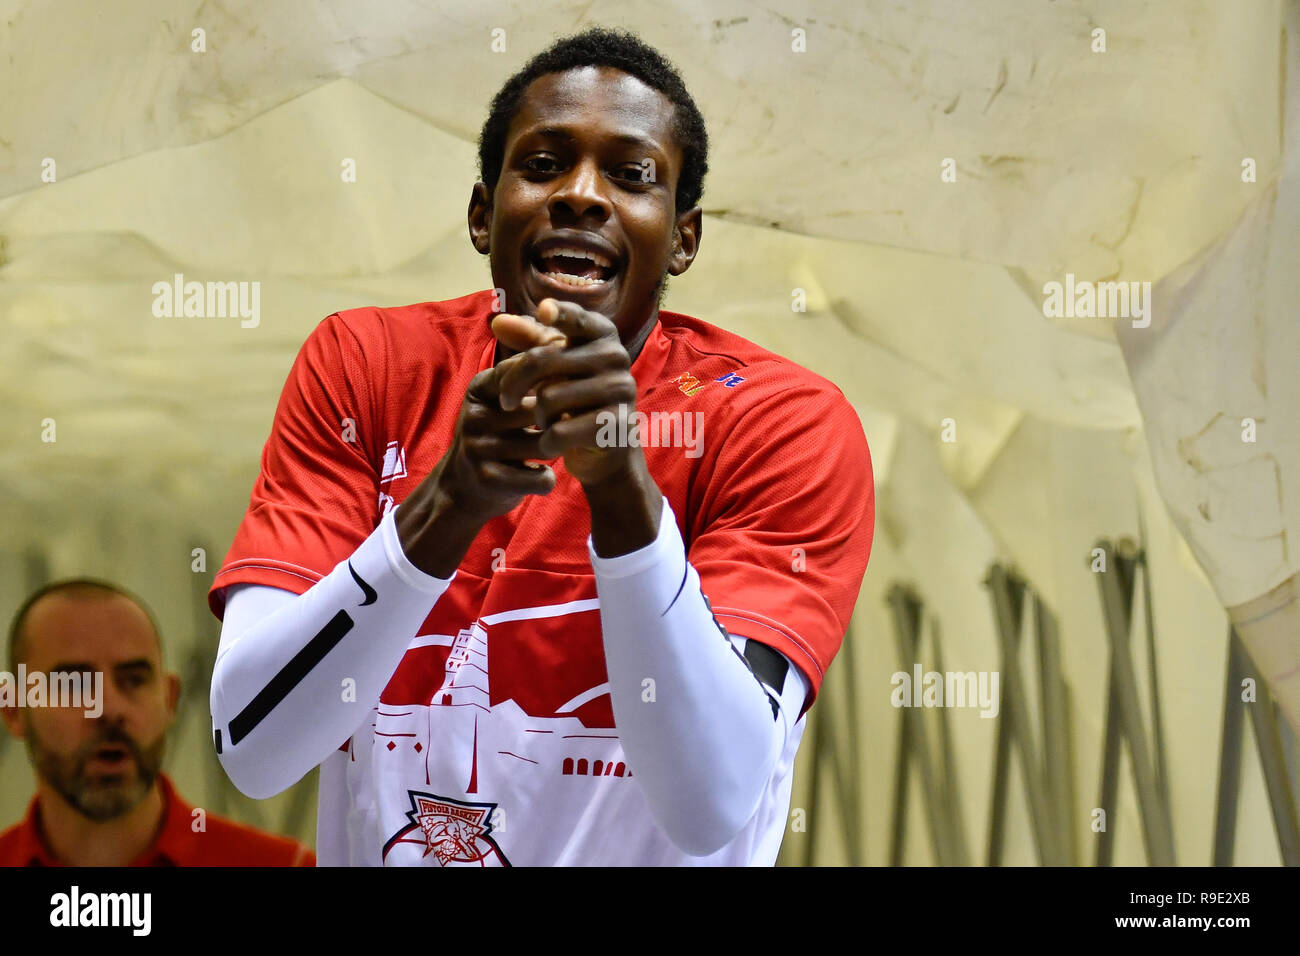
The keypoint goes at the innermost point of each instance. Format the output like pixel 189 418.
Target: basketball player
pixel 545 575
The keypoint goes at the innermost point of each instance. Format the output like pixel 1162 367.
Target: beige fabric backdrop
pixel 924 298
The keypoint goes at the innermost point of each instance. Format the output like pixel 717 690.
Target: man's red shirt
pixel 221 843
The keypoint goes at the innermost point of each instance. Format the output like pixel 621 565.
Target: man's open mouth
pixel 111 755
pixel 574 267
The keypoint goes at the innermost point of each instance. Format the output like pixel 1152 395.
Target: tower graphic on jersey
pixel 466 680
pixel 506 719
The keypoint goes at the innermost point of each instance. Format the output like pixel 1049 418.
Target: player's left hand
pixel 579 380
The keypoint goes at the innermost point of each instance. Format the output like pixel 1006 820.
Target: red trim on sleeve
pixel 267 571
pixel 756 627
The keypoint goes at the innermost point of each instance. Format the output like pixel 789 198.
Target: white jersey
pixel 460 783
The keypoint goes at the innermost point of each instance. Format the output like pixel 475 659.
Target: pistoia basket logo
pixel 451 831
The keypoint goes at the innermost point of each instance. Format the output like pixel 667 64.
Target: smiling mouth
pixel 574 268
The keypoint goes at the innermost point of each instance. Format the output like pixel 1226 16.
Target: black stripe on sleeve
pixel 768 665
pixel 270 696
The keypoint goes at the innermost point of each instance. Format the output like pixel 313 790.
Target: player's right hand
pixel 495 456
pixel 494 461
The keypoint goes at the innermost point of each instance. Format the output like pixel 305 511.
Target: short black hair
pixel 620 50
pixel 74 587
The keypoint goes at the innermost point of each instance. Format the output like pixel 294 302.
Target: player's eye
pixel 632 172
pixel 541 164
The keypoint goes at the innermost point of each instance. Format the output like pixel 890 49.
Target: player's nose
pixel 581 192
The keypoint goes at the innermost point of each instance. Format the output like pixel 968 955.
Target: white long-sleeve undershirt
pixel 294 681
pixel 703 735
pixel 694 721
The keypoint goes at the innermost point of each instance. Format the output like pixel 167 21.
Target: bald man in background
pixel 101 798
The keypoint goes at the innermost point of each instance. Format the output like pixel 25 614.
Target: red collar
pixel 169 848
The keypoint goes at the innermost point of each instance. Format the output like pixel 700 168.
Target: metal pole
pixel 1269 741
pixel 1116 599
pixel 951 798
pixel 1157 722
pixel 1056 769
pixel 899 600
pixel 907 614
pixel 1014 712
pixel 1225 809
pixel 814 788
pixel 855 832
pixel 1109 771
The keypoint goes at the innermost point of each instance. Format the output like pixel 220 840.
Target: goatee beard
pixel 97 799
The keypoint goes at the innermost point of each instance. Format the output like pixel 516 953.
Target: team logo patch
pixel 451 831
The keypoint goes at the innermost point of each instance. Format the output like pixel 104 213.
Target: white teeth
pixel 596 257
pixel 566 279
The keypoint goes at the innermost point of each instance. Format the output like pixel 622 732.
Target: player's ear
pixel 480 217
pixel 686 240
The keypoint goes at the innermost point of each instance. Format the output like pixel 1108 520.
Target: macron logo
pixel 394 463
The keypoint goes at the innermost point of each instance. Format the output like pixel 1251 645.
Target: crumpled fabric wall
pixel 924 296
